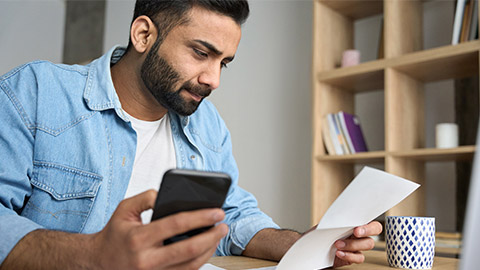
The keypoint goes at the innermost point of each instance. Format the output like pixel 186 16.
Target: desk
pixel 374 260
pixel 239 262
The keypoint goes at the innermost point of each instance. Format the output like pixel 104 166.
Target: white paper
pixel 209 266
pixel 370 194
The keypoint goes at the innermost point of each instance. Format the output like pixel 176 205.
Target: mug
pixel 410 241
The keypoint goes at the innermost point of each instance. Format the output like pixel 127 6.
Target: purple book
pixel 354 130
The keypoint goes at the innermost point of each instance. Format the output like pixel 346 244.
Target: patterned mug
pixel 410 241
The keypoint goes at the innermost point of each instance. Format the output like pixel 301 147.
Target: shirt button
pixel 192 156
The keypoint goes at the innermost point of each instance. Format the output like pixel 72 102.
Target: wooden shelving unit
pixel 401 75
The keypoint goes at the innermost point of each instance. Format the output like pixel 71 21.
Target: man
pixel 77 140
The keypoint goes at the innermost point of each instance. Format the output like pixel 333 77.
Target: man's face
pixel 184 69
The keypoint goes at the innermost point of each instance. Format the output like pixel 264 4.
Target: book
pixel 327 139
pixel 381 46
pixel 341 117
pixel 457 23
pixel 448 240
pixel 354 130
pixel 467 20
pixel 334 134
pixel 474 25
pixel 341 135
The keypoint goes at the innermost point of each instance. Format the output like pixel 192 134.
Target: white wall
pixel 30 30
pixel 118 17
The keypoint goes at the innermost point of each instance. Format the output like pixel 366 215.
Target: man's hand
pixel 272 244
pixel 125 243
pixel 350 250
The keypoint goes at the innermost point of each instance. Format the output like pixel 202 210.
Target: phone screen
pixel 187 190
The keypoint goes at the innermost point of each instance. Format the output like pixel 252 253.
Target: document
pixel 371 193
pixel 209 266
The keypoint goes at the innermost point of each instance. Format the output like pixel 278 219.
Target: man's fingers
pixel 197 262
pixel 131 208
pixel 190 249
pixel 353 244
pixel 157 231
pixel 350 257
pixel 372 228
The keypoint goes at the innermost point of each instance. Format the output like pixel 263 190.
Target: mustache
pixel 197 89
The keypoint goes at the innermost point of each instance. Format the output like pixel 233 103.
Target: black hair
pixel 166 14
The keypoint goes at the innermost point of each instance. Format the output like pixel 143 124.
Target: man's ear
pixel 143 33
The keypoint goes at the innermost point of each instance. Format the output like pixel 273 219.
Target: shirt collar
pixel 99 91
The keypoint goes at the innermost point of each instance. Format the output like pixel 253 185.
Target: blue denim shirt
pixel 67 151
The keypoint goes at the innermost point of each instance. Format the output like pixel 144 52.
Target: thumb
pixel 134 206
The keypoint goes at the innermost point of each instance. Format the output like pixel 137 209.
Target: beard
pixel 160 79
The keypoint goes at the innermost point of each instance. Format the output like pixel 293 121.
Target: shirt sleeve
pixel 243 216
pixel 16 151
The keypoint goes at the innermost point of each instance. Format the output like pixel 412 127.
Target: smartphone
pixel 187 190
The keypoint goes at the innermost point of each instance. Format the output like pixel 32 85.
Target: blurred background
pixel 265 94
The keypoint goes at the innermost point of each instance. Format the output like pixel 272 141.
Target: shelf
pixel 438 154
pixel 355 9
pixel 426 66
pixel 448 62
pixel 427 154
pixel 401 78
pixel 360 78
pixel 360 158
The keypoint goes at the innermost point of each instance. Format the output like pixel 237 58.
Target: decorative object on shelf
pixel 350 58
pixel 410 241
pixel 446 135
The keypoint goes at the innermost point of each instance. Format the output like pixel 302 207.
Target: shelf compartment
pixel 426 66
pixel 448 62
pixel 438 154
pixel 373 157
pixel 355 9
pixel 364 77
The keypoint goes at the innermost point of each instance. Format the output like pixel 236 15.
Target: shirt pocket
pixel 62 197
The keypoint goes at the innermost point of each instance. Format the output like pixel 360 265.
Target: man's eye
pixel 224 65
pixel 200 53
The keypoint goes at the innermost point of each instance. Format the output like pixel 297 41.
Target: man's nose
pixel 210 77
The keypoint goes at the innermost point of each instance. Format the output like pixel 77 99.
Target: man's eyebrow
pixel 213 49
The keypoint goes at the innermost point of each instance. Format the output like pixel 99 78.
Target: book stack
pixel 448 244
pixel 465 25
pixel 342 134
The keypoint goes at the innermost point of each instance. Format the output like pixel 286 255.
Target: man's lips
pixel 194 96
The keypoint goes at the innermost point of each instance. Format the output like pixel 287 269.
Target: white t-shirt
pixel 154 156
